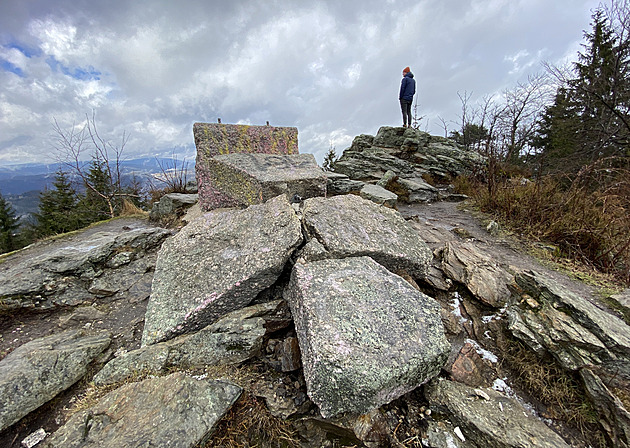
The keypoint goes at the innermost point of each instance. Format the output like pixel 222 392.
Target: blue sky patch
pixel 9 67
pixel 82 73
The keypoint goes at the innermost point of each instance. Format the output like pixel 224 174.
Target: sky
pixel 152 68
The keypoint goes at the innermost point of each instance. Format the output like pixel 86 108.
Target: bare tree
pixel 523 105
pixel 78 142
pixel 444 125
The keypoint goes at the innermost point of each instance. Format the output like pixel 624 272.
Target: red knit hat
pixel 406 70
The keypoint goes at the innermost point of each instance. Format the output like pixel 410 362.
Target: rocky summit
pixel 360 307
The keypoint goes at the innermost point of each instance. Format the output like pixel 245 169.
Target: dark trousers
pixel 405 106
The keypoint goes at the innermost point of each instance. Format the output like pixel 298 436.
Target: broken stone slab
pixel 213 139
pixel 580 322
pixel 233 339
pixel 349 226
pixel 171 203
pixel 485 279
pixel 248 179
pixel 217 264
pixel 488 418
pixel 57 271
pixel 37 371
pixel 378 195
pixel 366 336
pixel 175 411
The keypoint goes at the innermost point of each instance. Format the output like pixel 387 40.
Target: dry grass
pixel 586 217
pixel 130 209
pixel 561 394
pixel 250 424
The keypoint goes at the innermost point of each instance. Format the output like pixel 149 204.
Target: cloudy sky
pixel 333 68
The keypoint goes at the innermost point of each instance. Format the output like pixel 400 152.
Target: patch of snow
pixel 485 354
pixel 457 312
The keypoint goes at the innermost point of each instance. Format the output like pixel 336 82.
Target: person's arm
pixel 403 83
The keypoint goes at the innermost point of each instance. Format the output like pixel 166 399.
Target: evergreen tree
pixel 558 134
pixel 58 208
pixel 8 226
pixel 473 136
pixel 590 117
pixel 330 159
pixel 99 202
pixel 600 90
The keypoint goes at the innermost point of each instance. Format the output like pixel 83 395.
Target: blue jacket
pixel 407 88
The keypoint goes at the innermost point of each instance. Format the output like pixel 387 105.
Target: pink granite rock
pixel 213 139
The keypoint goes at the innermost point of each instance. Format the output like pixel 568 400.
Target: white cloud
pixel 331 68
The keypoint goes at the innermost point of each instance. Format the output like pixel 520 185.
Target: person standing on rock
pixel 407 91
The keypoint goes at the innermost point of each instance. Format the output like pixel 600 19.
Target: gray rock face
pixel 408 153
pixel 497 422
pixel 338 183
pixel 416 190
pixel 217 264
pixel 233 339
pixel 349 226
pixel 378 195
pixel 482 276
pixel 581 337
pixel 572 329
pixel 623 298
pixel 254 178
pixel 171 203
pixel 366 336
pixel 37 371
pixel 172 411
pixel 60 272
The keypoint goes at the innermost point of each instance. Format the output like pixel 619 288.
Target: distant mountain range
pixel 20 184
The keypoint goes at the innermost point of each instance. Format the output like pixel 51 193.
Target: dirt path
pixel 450 221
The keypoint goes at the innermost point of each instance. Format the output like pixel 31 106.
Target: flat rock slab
pixel 378 195
pixel 349 226
pixel 366 336
pixel 233 339
pixel 172 411
pixel 254 178
pixel 217 264
pixel 37 371
pixel 489 418
pixel 55 272
pixel 213 139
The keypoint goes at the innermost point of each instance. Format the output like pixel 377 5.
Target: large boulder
pixel 217 264
pixel 233 339
pixel 172 411
pixel 366 335
pixel 213 139
pixel 37 371
pixel 249 179
pixel 407 152
pixel 348 226
pixel 489 418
